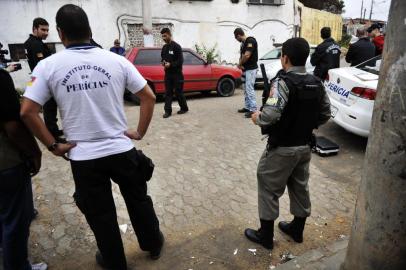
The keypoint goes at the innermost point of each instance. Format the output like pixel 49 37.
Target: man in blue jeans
pixel 20 158
pixel 248 64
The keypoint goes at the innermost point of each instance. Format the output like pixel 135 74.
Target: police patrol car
pixel 352 92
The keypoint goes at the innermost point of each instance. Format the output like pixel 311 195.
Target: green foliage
pixel 334 6
pixel 20 91
pixel 345 41
pixel 211 55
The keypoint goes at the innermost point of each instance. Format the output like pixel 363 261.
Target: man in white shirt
pixel 88 85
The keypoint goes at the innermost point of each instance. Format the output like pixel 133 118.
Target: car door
pixel 197 73
pixel 148 63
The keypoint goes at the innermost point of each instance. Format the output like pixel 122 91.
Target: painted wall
pixel 312 20
pixel 206 23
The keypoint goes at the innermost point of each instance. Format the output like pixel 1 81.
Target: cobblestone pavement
pixel 205 193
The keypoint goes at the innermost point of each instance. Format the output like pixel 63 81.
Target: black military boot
pixel 262 236
pixel 294 228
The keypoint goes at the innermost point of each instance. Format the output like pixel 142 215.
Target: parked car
pixel 199 75
pixel 352 93
pixel 272 63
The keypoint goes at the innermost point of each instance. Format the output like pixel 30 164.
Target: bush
pixel 211 55
pixel 345 41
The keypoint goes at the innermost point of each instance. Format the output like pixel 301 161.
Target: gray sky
pixel 380 11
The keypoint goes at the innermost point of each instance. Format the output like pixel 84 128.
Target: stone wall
pixel 136 36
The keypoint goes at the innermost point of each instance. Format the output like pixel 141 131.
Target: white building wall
pixel 198 22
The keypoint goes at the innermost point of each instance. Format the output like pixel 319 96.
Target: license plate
pixel 334 111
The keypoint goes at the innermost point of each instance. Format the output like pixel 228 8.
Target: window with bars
pixel 17 51
pixel 136 35
pixel 266 2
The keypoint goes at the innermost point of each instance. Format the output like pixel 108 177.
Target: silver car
pixel 272 63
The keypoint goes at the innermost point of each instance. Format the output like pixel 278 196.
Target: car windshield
pixel 371 65
pixel 274 54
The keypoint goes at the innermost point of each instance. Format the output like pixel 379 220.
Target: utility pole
pixel 362 7
pixel 365 10
pixel 378 236
pixel 147 23
pixel 372 7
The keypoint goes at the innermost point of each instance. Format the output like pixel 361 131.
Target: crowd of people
pixel 87 83
pixel 368 47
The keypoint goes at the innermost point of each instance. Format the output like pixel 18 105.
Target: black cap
pixel 373 27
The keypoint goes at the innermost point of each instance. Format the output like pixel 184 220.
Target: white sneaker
pixel 39 266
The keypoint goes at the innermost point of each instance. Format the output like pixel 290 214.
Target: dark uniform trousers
pixel 174 82
pixel 50 112
pixel 280 167
pixel 16 204
pixel 93 196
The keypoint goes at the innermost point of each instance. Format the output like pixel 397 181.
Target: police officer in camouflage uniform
pixel 296 104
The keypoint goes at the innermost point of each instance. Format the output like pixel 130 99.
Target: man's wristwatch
pixel 53 147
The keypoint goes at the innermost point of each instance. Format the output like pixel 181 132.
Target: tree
pixel 334 6
pixel 378 237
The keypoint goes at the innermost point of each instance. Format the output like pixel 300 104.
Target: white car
pixel 272 63
pixel 352 93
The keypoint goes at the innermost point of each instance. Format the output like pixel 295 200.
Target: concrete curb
pixel 325 258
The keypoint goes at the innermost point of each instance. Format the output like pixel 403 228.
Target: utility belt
pixel 272 143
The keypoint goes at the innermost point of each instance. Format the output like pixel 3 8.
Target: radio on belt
pixel 325 147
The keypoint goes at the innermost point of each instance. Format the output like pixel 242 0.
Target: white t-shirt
pixel 88 85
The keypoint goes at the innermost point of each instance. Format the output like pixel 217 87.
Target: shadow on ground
pixel 224 247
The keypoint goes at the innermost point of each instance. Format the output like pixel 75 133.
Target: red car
pixel 199 75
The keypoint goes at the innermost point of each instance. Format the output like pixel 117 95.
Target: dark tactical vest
pixel 301 113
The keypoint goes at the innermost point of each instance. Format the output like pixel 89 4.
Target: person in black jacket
pixel 36 51
pixel 20 159
pixel 361 51
pixel 326 56
pixel 172 61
